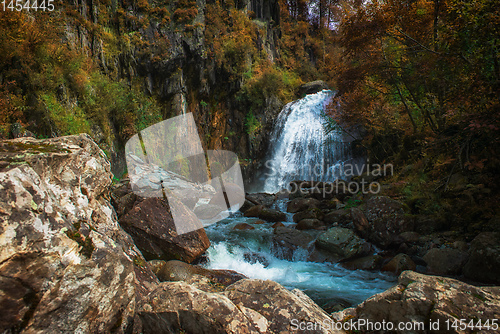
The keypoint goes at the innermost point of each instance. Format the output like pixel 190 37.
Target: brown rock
pixel 151 225
pixel 399 263
pixel 484 260
pixel 310 224
pixel 262 212
pixel 445 261
pixel 424 299
pixel 301 204
pixel 243 226
pixel 278 305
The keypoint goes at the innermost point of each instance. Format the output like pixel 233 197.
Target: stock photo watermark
pixel 167 160
pixel 312 176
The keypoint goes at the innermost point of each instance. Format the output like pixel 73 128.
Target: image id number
pixel 27 5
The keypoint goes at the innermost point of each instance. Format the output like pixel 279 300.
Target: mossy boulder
pixel 343 242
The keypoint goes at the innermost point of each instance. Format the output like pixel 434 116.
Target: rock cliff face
pixel 171 64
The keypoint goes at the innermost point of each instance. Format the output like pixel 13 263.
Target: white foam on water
pixel 301 148
pixel 249 252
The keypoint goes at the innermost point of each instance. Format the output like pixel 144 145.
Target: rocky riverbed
pixel 79 254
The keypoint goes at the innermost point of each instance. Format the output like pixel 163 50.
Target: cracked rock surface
pixel 65 263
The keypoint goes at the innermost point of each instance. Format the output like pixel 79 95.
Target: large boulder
pixel 152 227
pixel 424 300
pixel 178 307
pixel 382 222
pixel 285 311
pixel 484 260
pixel 445 261
pixel 66 265
pixel 344 243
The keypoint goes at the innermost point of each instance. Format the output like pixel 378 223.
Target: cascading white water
pixel 299 141
pixel 250 252
pixel 301 148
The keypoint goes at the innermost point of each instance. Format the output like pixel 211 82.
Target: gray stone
pixel 66 265
pixel 343 242
pixel 484 260
pixel 424 299
pixel 445 261
pixel 278 305
pixel 301 204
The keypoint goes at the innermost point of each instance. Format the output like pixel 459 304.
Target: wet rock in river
pixel 310 224
pixel 301 204
pixel 343 242
pixel 243 226
pixel 270 215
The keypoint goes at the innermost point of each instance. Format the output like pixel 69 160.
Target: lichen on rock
pixel 65 263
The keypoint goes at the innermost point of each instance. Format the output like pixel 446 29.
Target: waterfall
pixel 299 140
pixel 301 148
